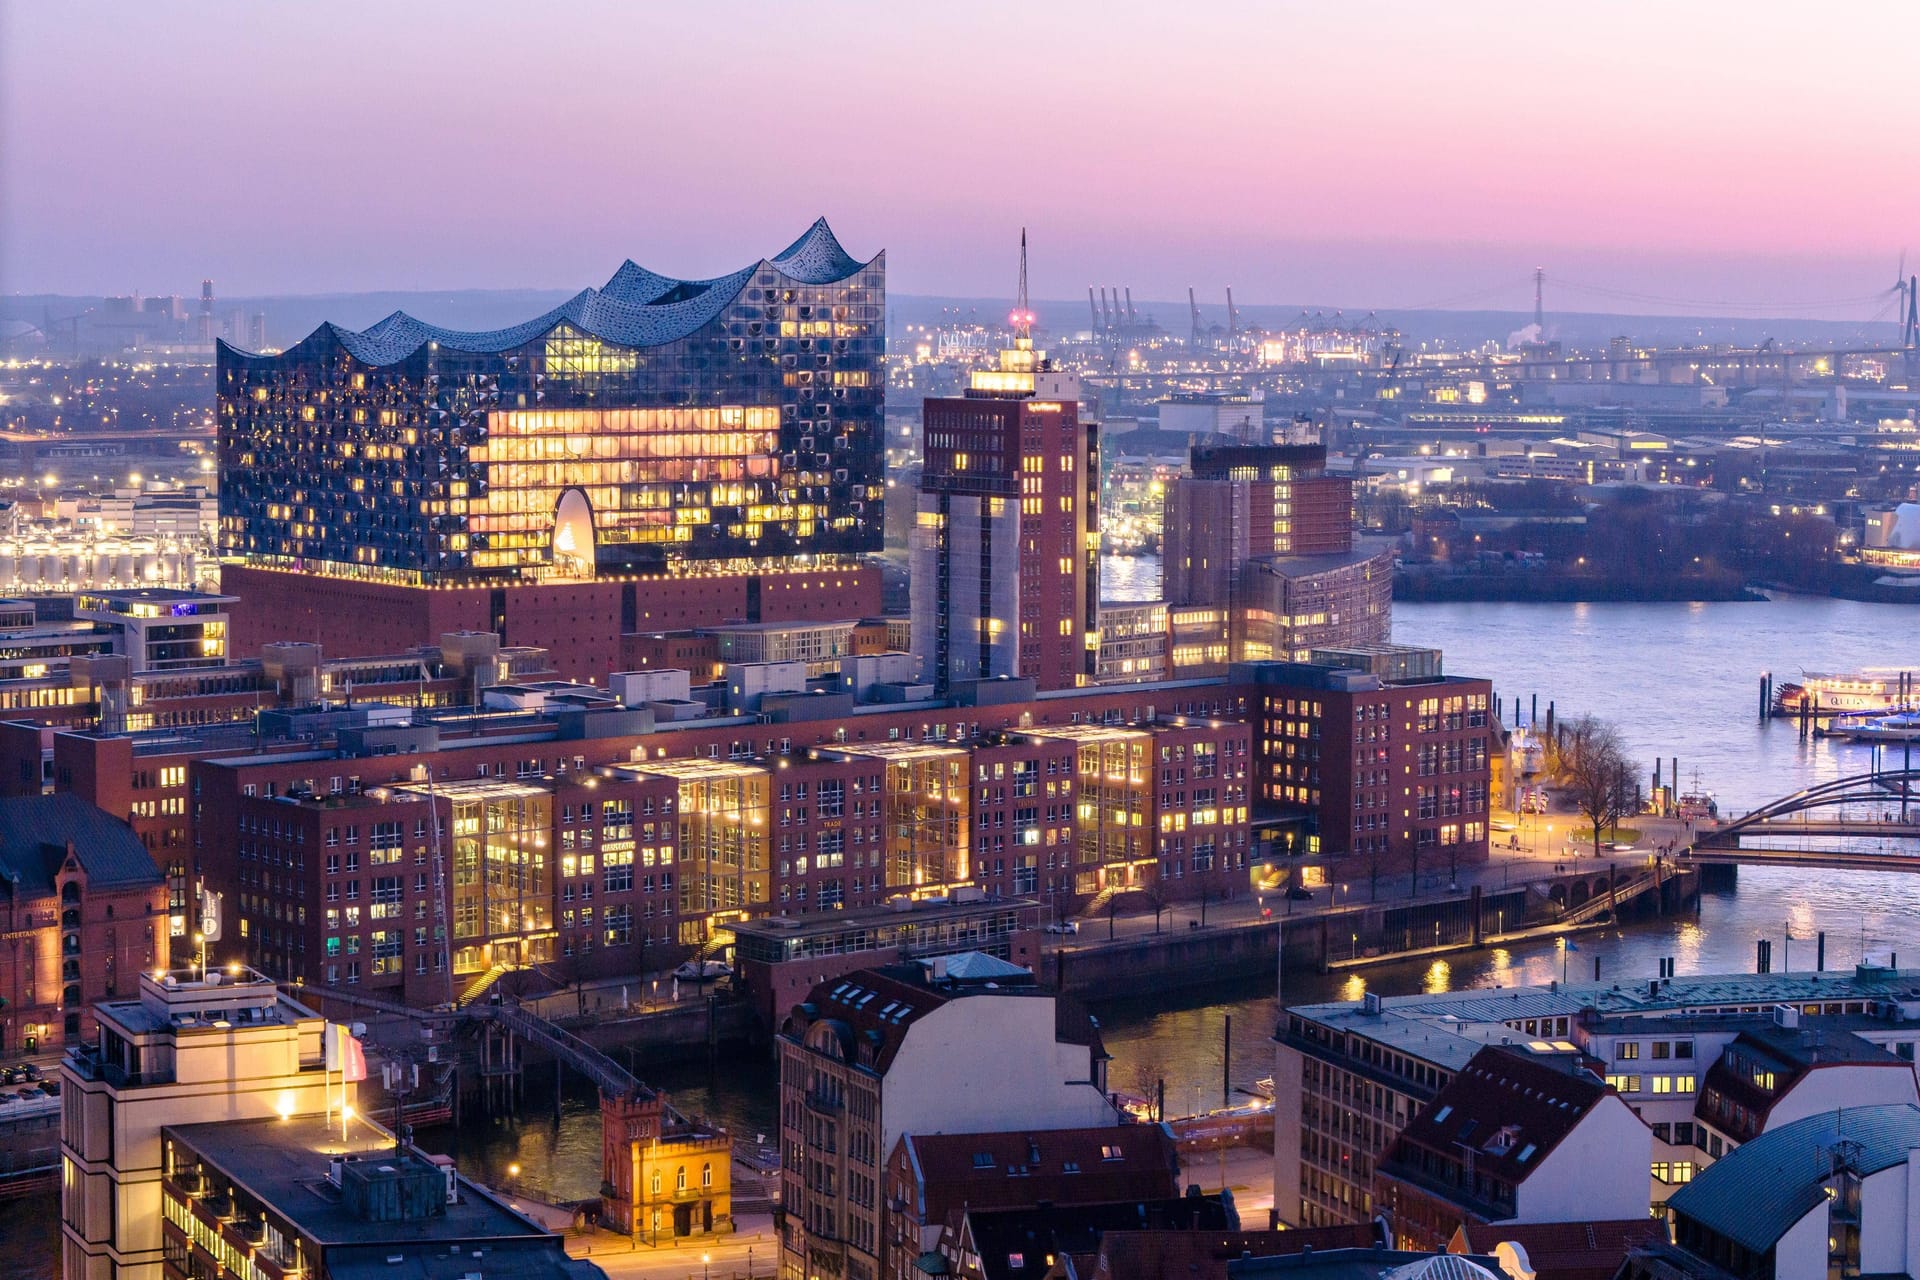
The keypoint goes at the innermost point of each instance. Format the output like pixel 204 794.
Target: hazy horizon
pixel 1404 157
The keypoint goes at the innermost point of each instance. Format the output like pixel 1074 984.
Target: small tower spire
pixel 1022 317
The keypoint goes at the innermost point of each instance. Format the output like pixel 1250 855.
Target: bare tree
pixel 1592 763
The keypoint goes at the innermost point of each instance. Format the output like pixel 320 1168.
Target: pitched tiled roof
pixel 1567 1250
pixel 1754 1193
pixel 1061 1166
pixel 636 307
pixel 871 1011
pixel 1016 1244
pixel 35 831
pixel 1204 1255
pixel 1786 1054
pixel 1512 1110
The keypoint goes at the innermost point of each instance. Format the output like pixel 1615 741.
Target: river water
pixel 1678 679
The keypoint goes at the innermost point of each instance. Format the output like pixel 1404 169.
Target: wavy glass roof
pixel 635 308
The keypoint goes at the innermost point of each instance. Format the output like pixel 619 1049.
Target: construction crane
pixel 1094 308
pixel 1194 307
pixel 1233 317
pixel 1131 318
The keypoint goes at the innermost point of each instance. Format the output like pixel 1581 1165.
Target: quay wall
pixel 1345 937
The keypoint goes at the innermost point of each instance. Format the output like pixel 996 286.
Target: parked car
pixel 1064 926
pixel 702 970
pixel 1300 893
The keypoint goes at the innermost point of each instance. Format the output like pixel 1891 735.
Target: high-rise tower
pixel 1006 569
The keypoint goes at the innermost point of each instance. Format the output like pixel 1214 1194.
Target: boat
pixel 1696 804
pixel 1901 726
pixel 1876 689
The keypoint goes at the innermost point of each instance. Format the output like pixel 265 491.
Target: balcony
pixel 823 1103
pixel 87 1062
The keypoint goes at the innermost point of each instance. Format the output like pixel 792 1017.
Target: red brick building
pixel 581 623
pixel 590 841
pixel 83 912
pixel 1392 772
pixel 1246 501
pixel 1006 568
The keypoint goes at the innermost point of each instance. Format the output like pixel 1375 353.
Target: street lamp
pixel 705 1258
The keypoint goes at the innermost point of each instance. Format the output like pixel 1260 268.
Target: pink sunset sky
pixel 1361 154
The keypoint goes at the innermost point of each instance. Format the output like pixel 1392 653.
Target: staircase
pixel 1100 900
pixel 480 986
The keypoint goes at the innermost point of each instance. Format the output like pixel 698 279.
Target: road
pixel 752 1250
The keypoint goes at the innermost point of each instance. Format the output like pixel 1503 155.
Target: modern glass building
pixel 649 426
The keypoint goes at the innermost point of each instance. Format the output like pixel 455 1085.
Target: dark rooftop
pixel 1758 1190
pixel 283 1164
pixel 873 1009
pixel 1510 1110
pixel 35 831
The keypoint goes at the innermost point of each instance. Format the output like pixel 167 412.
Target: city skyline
pixel 1305 156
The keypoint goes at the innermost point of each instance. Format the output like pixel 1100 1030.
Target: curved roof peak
pixel 636 308
pixel 816 257
pixel 635 285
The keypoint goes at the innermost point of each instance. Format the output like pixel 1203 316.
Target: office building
pixel 1262 531
pixel 1395 770
pixel 83 909
pixel 1242 501
pixel 655 453
pixel 1005 542
pixel 290 1197
pixel 190 1046
pixel 881 1053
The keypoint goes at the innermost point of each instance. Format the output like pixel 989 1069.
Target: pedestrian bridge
pixel 1826 826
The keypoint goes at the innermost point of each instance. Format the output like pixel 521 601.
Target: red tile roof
pixel 1203 1255
pixel 1511 1109
pixel 1054 1166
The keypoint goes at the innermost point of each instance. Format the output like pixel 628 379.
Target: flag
pixel 344 1054
pixel 1571 946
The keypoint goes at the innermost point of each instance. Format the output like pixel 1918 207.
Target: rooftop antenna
pixel 1022 318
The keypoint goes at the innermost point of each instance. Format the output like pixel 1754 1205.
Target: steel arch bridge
pixel 1882 805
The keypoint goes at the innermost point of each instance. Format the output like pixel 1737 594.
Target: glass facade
pixel 502 873
pixel 721 423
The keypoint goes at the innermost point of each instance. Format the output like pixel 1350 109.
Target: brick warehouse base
pixel 579 623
